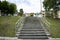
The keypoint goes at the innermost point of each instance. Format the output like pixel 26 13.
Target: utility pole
pixel 41 5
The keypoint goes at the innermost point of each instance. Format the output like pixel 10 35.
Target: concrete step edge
pixel 34 34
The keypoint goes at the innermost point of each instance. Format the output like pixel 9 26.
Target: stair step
pixel 33 37
pixel 32 30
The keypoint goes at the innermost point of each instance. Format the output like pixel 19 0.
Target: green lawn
pixel 7 25
pixel 54 27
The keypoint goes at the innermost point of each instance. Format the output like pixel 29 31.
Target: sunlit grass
pixel 7 25
pixel 54 27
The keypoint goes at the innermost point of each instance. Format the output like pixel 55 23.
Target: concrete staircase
pixel 32 29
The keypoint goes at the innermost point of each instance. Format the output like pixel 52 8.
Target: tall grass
pixel 54 27
pixel 7 26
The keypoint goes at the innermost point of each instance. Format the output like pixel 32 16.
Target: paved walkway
pixel 32 29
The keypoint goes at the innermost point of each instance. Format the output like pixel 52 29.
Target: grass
pixel 7 26
pixel 54 27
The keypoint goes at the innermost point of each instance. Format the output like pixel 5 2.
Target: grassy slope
pixel 54 27
pixel 7 26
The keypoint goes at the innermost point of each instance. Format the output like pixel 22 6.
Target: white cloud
pixel 28 5
pixel 34 7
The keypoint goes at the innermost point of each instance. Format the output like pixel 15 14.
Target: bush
pixel 31 14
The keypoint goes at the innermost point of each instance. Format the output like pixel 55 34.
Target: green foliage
pixel 7 8
pixel 45 4
pixel 21 12
pixel 50 4
pixel 4 6
pixel 12 8
pixel 0 5
pixel 31 14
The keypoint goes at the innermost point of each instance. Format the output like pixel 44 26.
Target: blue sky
pixel 28 5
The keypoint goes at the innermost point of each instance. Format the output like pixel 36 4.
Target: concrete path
pixel 32 29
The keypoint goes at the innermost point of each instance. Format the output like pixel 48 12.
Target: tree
pixel 45 4
pixel 21 12
pixel 4 7
pixel 12 8
pixel 7 8
pixel 31 14
pixel 51 4
pixel 0 5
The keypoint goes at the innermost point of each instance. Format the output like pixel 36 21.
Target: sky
pixel 28 5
